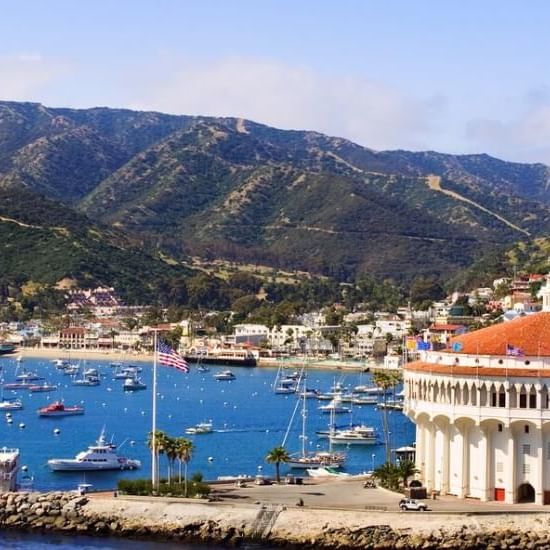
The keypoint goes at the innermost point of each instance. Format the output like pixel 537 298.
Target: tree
pixel 386 380
pixel 170 450
pixel 407 469
pixel 388 474
pixel 160 445
pixel 276 456
pixel 184 453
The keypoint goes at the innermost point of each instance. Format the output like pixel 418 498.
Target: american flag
pixel 167 356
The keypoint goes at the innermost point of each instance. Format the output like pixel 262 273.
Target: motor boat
pixel 225 375
pixel 370 390
pixel 133 383
pixel 201 428
pixel 334 407
pixel 357 435
pixel 316 459
pixel 101 456
pixel 58 408
pixel 17 385
pixel 11 405
pixel 125 372
pixel 71 369
pixel 90 378
pixel 367 400
pixel 42 388
pixel 202 368
pixel 60 363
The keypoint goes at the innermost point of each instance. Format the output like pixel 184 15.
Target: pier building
pixel 482 411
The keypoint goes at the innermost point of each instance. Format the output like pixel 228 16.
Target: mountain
pixel 238 190
pixel 47 242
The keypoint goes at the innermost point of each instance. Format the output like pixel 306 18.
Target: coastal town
pixel 274 275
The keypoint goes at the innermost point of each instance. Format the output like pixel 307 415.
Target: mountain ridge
pixel 244 191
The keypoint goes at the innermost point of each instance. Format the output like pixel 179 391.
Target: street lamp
pixel 372 462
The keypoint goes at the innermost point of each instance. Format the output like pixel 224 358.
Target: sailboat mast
pixel 304 415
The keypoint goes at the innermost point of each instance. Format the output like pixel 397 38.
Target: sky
pixel 455 76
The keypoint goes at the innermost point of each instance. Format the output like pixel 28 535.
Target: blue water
pixel 249 420
pixel 15 540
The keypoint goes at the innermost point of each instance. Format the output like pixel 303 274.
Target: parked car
pixel 411 504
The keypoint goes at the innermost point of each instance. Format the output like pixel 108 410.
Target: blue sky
pixel 453 76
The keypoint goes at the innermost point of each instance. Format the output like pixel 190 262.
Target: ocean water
pixel 248 418
pixel 15 540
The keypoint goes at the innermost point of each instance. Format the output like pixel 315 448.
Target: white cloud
pixel 24 76
pixel 285 96
pixel 526 137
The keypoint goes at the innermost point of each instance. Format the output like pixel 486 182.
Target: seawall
pixel 299 527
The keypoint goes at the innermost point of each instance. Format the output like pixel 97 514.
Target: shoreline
pixel 113 355
pixel 232 523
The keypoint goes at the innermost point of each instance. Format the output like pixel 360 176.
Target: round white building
pixel 482 412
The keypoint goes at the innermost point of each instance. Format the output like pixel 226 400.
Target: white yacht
pixel 225 375
pixel 334 407
pixel 11 405
pixel 200 428
pixel 357 435
pixel 133 383
pixel 101 456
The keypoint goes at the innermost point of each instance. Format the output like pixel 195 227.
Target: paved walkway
pixel 350 495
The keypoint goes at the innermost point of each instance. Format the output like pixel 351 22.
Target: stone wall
pixel 67 512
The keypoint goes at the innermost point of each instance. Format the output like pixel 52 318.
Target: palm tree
pixel 160 446
pixel 386 380
pixel 388 474
pixel 407 469
pixel 170 449
pixel 276 456
pixel 184 453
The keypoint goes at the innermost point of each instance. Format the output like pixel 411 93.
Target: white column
pixel 510 465
pixel 465 485
pixel 429 456
pixel 539 481
pixel 445 467
pixel 485 464
pixel 420 450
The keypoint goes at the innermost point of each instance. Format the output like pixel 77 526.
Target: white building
pixel 482 412
pixel 250 333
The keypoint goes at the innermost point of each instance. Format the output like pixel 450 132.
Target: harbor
pixel 246 418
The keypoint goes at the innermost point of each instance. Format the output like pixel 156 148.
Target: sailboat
pixel 311 459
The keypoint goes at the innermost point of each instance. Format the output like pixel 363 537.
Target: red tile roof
pixel 447 327
pixel 530 334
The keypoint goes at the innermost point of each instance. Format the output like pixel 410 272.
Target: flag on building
pixel 171 358
pixel 513 351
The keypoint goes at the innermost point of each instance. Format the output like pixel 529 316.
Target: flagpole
pixel 154 472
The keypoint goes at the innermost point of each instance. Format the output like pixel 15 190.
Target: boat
pixel 58 408
pixel 225 375
pixel 368 400
pixel 325 471
pixel 202 368
pixel 6 349
pixel 60 364
pixel 201 428
pixel 42 388
pixel 17 385
pixel 28 377
pixel 311 459
pixel 125 372
pixel 370 390
pixel 133 384
pixel 358 435
pixel 71 369
pixel 101 456
pixel 228 357
pixel 392 405
pixel 11 405
pixel 90 378
pixel 309 393
pixel 335 407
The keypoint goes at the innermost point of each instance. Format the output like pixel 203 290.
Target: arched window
pixel 458 395
pixel 465 394
pixel 501 396
pixel 436 392
pixel 544 397
pixel 449 399
pixel 483 396
pixel 473 394
pixel 523 397
pixel 533 397
pixel 494 398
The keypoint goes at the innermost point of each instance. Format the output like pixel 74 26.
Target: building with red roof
pixel 482 411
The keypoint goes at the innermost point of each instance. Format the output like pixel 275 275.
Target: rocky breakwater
pixel 59 511
pixel 70 513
